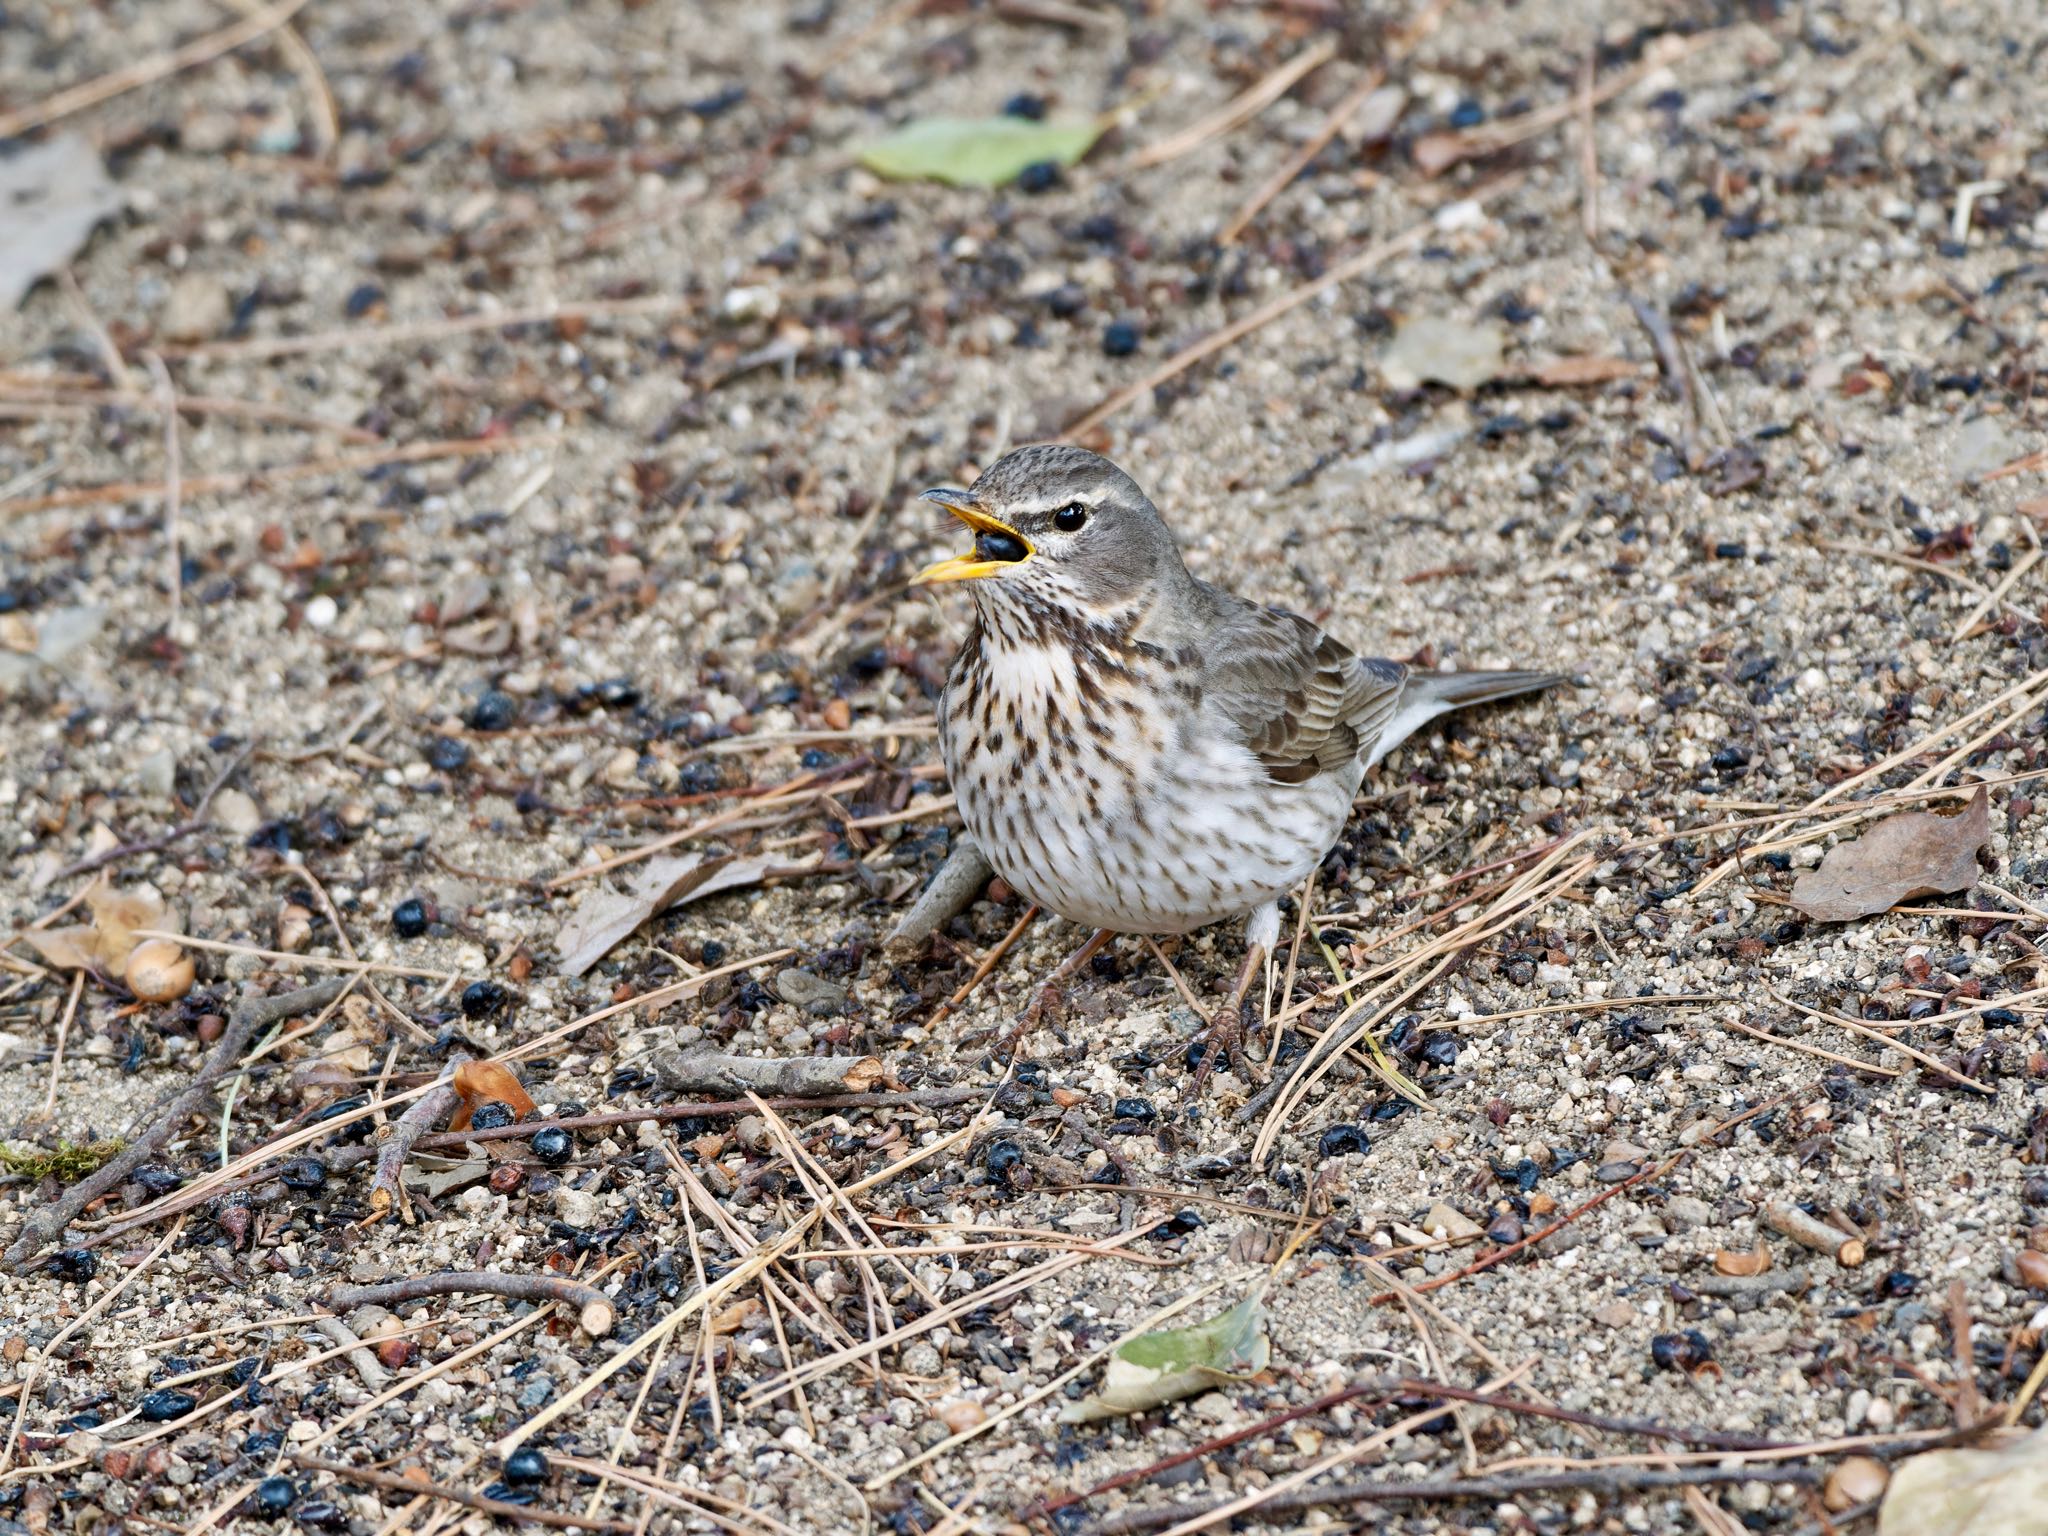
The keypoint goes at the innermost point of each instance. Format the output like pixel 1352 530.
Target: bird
pixel 1137 750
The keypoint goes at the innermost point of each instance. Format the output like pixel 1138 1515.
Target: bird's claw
pixel 1048 1006
pixel 1225 1037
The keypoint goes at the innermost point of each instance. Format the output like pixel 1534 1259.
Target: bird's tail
pixel 1427 695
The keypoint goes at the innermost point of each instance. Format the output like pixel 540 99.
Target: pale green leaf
pixel 977 151
pixel 1173 1363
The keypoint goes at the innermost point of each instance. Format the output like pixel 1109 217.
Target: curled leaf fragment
pixel 977 151
pixel 480 1082
pixel 1172 1363
pixel 1915 853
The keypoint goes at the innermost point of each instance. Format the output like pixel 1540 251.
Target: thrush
pixel 1137 750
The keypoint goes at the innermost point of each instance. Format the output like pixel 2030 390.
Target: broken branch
pixel 254 1015
pixel 595 1312
pixel 703 1069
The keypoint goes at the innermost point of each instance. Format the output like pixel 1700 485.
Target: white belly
pixel 1143 827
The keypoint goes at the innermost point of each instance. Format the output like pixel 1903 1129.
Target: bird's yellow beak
pixel 996 544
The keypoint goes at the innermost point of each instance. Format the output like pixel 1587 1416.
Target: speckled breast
pixel 1084 772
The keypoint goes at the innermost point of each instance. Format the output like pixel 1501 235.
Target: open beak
pixel 996 543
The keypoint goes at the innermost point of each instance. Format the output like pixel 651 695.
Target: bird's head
pixel 1058 527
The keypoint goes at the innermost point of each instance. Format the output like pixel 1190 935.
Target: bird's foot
pixel 1047 1007
pixel 1049 1002
pixel 1225 1038
pixel 1238 1017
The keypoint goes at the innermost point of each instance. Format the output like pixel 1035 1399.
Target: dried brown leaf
pixel 104 944
pixel 1730 1261
pixel 482 1082
pixel 607 917
pixel 1912 854
pixel 68 949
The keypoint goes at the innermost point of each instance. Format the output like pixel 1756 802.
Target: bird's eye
pixel 1070 517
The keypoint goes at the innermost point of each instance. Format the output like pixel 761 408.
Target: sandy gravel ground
pixel 644 555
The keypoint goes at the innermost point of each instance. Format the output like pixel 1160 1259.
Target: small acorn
pixel 159 972
pixel 294 927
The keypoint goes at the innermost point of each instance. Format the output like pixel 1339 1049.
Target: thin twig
pixel 1241 108
pixel 1436 153
pixel 988 963
pixel 306 65
pixel 2036 460
pixel 1997 594
pixel 174 490
pixel 48 1222
pixel 359 1354
pixel 50 1351
pixel 703 1301
pixel 340 464
pixel 63 1031
pixel 110 355
pixel 514 1514
pixel 61 393
pixel 594 1309
pixel 354 338
pixel 1676 373
pixel 1596 1479
pixel 387 1187
pixel 1300 160
pixel 159 66
pixel 1858 1027
pixel 1589 154
pixel 1487 1261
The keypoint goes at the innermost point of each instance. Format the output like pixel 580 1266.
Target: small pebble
pixel 161 1407
pixel 481 999
pixel 1343 1141
pixel 1002 1158
pixel 157 1180
pixel 493 711
pixel 1681 1351
pixel 78 1264
pixel 274 1495
pixel 526 1466
pixel 1067 299
pixel 1039 176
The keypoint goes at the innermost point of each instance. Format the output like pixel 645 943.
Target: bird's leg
pixel 1226 1031
pixel 1051 994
